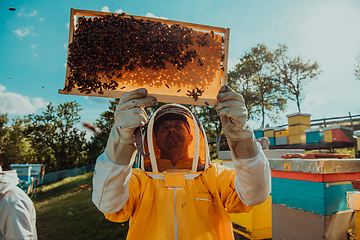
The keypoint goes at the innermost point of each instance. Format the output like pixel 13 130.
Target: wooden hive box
pixel 297 139
pixel 341 134
pixel 309 197
pixel 327 134
pixel 357 135
pixel 298 118
pixel 281 136
pixel 270 134
pixel 258 133
pixel 298 129
pixel 110 54
pixel 314 135
pixel 255 224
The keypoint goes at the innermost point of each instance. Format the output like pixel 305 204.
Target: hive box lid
pixel 298 114
pixel 313 130
pixel 321 166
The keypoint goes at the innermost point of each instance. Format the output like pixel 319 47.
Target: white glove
pixel 129 115
pixel 233 115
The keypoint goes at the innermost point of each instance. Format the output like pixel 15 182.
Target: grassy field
pixel 65 211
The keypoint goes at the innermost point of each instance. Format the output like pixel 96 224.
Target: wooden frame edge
pixel 160 98
pixel 186 24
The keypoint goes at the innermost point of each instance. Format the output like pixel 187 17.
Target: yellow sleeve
pixel 225 186
pixel 137 184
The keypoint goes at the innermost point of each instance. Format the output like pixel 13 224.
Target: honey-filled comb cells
pixel 110 54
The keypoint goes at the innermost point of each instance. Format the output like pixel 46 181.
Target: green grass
pixel 64 210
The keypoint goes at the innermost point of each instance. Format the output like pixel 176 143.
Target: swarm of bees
pixel 195 94
pixel 105 49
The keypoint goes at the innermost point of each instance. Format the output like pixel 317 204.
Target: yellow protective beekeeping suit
pixel 179 202
pixel 181 206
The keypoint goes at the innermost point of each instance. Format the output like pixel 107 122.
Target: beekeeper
pixel 177 193
pixel 17 212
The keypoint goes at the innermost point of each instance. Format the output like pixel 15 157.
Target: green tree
pixel 14 146
pixel 3 132
pixel 294 73
pixel 55 139
pixel 98 140
pixel 4 135
pixel 212 126
pixel 255 78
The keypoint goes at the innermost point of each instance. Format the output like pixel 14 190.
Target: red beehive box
pixel 341 134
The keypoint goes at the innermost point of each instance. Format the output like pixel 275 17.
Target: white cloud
pixel 67 25
pixel 41 19
pixel 34 46
pixel 153 16
pixel 35 55
pixel 14 103
pixel 32 14
pixel 22 13
pixel 38 102
pixel 23 32
pixel 119 11
pixel 98 100
pixel 105 9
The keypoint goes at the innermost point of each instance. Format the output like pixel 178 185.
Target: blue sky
pixel 34 38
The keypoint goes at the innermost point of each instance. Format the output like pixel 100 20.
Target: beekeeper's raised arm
pixel 253 178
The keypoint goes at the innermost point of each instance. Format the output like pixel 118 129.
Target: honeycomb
pixel 122 53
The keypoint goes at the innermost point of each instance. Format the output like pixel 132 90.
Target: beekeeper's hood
pixel 198 149
pixel 8 180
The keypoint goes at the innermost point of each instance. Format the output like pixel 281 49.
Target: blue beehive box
pixel 24 174
pixel 23 171
pixel 314 135
pixel 311 195
pixel 37 172
pixel 272 141
pixel 258 133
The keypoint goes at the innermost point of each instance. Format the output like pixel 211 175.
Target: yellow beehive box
pixel 297 139
pixel 357 135
pixel 298 118
pixel 269 132
pixel 281 132
pixel 256 224
pixel 328 134
pixel 298 129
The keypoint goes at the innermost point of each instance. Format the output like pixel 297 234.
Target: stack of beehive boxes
pixel 298 123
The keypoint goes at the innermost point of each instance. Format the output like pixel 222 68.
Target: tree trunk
pixel 298 102
pixel 263 116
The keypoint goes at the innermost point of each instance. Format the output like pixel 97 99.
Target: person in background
pixel 17 211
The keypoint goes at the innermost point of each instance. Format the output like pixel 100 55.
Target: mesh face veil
pixel 198 149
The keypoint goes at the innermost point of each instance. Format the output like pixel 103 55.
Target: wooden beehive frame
pixel 160 97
